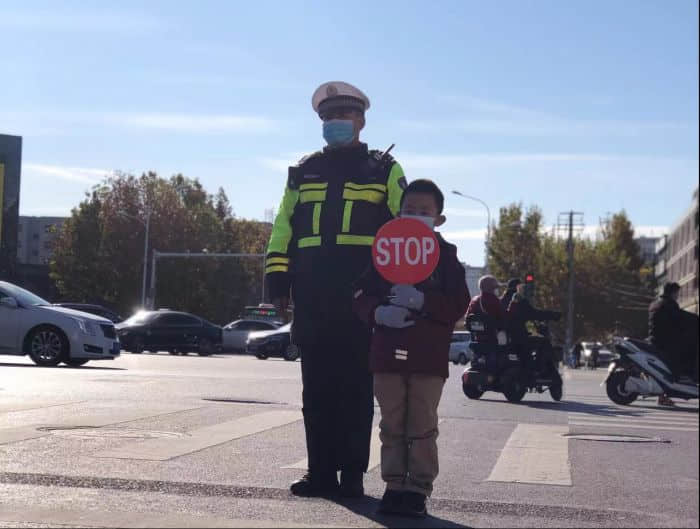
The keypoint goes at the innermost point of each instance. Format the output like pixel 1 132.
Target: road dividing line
pixel 201 438
pixel 536 454
pixel 615 424
pixel 375 452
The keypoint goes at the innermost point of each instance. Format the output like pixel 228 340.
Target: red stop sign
pixel 405 251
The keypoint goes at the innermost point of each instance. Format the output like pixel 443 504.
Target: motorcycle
pixel 498 368
pixel 640 371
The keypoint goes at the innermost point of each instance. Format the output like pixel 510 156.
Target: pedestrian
pixel 488 304
pixel 412 327
pixel 511 289
pixel 576 354
pixel 334 202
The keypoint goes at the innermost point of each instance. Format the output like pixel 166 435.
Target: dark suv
pixel 168 330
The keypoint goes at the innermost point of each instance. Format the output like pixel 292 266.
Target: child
pixel 412 328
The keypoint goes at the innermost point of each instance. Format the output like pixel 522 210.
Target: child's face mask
pixel 422 207
pixel 428 221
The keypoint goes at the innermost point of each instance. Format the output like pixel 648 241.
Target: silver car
pixel 460 353
pixel 235 334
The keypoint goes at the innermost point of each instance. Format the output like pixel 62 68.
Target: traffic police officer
pixel 334 203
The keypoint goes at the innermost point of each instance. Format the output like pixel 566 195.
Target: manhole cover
pixel 91 432
pixel 614 438
pixel 241 401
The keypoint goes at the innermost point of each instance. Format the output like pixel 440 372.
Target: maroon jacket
pixel 488 303
pixel 428 341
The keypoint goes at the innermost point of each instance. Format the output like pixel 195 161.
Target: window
pixel 177 319
pixel 48 228
pixel 262 326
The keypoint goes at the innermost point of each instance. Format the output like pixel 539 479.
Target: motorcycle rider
pixel 520 311
pixel 675 333
pixel 511 289
pixel 487 303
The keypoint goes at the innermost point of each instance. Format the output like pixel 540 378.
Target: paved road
pixel 157 440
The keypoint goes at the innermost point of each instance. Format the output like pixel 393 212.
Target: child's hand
pixel 394 317
pixel 407 296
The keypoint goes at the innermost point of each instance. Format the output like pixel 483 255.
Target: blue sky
pixel 586 105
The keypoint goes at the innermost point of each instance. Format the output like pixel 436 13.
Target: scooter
pixel 498 368
pixel 640 371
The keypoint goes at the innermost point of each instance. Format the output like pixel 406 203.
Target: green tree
pixel 98 255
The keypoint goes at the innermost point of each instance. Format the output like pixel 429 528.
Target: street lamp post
pixel 488 219
pixel 147 226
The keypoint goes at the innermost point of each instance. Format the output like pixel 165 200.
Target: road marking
pixel 633 418
pixel 536 454
pixel 375 452
pixel 201 438
pixel 107 417
pixel 628 425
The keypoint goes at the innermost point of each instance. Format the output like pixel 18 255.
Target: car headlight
pixel 85 326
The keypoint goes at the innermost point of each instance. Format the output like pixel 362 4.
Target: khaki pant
pixel 409 429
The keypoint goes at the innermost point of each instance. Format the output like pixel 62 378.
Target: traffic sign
pixel 405 251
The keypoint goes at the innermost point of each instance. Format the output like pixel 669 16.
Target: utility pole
pixel 570 220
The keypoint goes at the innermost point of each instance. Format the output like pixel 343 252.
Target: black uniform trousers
pixel 338 406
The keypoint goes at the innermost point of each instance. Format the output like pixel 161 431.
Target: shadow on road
pixel 368 506
pixel 81 368
pixel 571 406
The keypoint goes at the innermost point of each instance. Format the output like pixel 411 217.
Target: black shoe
pixel 309 486
pixel 413 504
pixel 391 502
pixel 351 484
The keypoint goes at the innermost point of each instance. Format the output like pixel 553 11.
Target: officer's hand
pixel 394 317
pixel 407 296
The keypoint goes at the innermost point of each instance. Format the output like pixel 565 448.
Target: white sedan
pixel 235 334
pixel 49 334
pixel 460 353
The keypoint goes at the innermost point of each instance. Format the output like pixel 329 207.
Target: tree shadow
pixel 82 368
pixel 368 506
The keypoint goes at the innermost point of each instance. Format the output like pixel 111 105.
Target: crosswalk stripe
pixel 612 424
pixel 631 418
pixel 96 419
pixel 535 453
pixel 375 452
pixel 201 438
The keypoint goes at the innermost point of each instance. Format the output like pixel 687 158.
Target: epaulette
pixel 295 171
pixel 309 157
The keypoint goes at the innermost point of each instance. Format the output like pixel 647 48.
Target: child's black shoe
pixel 413 504
pixel 391 502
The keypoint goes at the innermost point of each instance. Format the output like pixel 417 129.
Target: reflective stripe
pixel 308 242
pixel 307 187
pixel 276 260
pixel 370 195
pixel 282 229
pixel 362 187
pixel 347 214
pixel 277 268
pixel 312 196
pixel 317 218
pixel 356 240
pixel 396 185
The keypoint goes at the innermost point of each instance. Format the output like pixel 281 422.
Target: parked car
pixel 460 353
pixel 235 334
pixel 277 343
pixel 49 334
pixel 169 330
pixel 97 310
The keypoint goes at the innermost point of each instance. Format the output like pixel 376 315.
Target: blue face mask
pixel 338 132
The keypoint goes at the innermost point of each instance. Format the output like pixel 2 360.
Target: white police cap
pixel 336 94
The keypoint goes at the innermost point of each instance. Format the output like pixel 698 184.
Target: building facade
pixel 473 274
pixel 10 164
pixel 677 257
pixel 647 249
pixel 35 237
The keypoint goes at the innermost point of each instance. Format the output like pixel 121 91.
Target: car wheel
pixel 137 346
pixel 463 359
pixel 172 351
pixel 472 392
pixel 261 356
pixel 77 362
pixel 205 347
pixel 291 353
pixel 48 346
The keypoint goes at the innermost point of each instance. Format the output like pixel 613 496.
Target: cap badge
pixel 331 90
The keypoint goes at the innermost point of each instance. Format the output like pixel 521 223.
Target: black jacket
pixel 665 320
pixel 520 311
pixel 506 298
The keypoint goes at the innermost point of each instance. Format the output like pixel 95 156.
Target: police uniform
pixel 334 203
